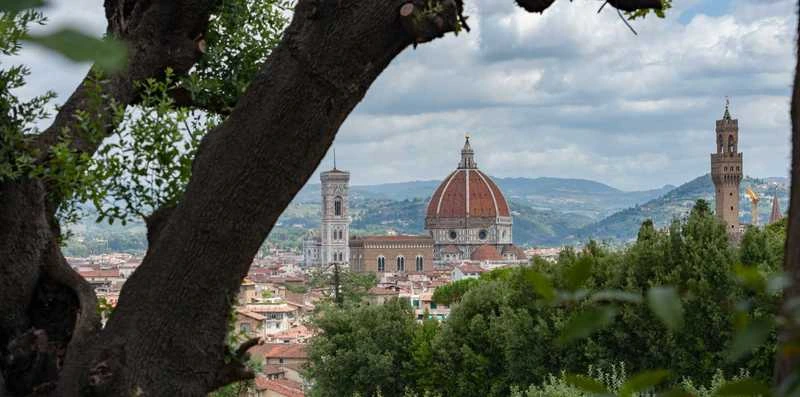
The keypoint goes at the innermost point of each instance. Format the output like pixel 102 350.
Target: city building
pixel 726 172
pixel 468 216
pixel 391 254
pixel 331 246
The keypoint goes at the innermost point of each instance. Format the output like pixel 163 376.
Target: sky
pixel 569 93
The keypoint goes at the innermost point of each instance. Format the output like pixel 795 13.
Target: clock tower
pixel 726 172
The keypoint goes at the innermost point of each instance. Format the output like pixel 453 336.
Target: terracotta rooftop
pixel 486 253
pixel 382 291
pixel 470 268
pixel 284 387
pixel 254 316
pixel 266 308
pixel 280 350
pixel 513 249
pixel 101 274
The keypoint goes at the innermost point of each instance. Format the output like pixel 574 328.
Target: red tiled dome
pixel 486 253
pixel 467 192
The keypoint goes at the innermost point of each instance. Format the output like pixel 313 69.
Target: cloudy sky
pixel 570 93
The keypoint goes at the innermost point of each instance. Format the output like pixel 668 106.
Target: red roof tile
pixel 467 192
pixel 284 387
pixel 280 350
pixel 486 253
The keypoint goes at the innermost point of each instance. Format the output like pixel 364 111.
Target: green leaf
pixel 541 284
pixel 616 295
pixel 578 273
pixel 108 54
pixel 666 305
pixel 677 392
pixel 643 381
pixel 744 387
pixel 750 277
pixel 586 322
pixel 19 5
pixel 748 338
pixel 586 384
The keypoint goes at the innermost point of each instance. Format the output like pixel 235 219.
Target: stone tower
pixel 726 171
pixel 335 226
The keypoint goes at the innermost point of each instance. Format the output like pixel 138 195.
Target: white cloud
pixel 568 93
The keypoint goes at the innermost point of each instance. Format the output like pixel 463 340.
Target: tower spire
pixel 727 115
pixel 467 155
pixel 776 214
pixel 334 158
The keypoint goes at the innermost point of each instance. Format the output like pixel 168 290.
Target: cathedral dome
pixel 467 192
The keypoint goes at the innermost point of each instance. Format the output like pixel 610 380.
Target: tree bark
pixel 786 364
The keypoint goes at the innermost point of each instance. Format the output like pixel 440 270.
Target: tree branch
pixel 158 35
pixel 624 5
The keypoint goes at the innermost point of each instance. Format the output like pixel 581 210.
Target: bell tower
pixel 726 171
pixel 335 225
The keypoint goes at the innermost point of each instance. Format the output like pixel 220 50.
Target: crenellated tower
pixel 726 171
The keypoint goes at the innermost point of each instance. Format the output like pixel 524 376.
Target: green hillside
pixel 676 204
pixel 547 212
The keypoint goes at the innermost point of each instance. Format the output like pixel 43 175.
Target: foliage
pixel 147 162
pixel 362 350
pixel 17 118
pixel 353 286
pixel 449 293
pixel 613 379
pixel 676 299
pixel 665 5
pixel 240 36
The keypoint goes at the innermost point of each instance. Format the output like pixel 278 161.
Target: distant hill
pixel 677 203
pixel 588 198
pixel 547 212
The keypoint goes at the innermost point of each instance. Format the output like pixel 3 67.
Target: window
pixel 453 235
pixel 244 327
pixel 731 144
pixel 433 305
pixel 381 264
pixel 419 263
pixel 401 264
pixel 482 234
pixel 337 206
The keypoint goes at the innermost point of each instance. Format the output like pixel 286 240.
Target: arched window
pixel 401 264
pixel 337 206
pixel 731 144
pixel 419 263
pixel 381 264
pixel 719 143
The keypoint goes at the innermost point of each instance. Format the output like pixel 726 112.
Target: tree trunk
pixel 245 174
pixel 790 334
